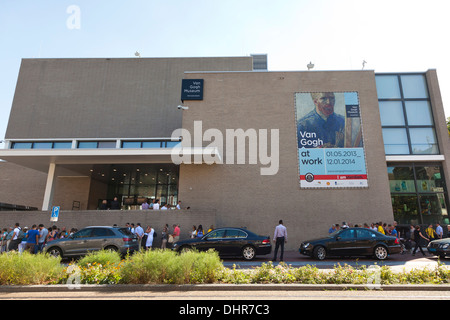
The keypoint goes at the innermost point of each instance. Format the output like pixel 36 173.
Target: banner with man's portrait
pixel 330 140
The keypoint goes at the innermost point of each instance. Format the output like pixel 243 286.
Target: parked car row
pixel 241 242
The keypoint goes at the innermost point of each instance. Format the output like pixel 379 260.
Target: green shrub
pixel 26 268
pixel 102 257
pixel 165 266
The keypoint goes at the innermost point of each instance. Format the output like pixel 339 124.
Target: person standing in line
pixel 156 205
pixel 193 233
pixel 149 242
pixel 439 231
pixel 32 240
pixel 417 238
pixel 176 233
pixel 200 231
pixel 280 238
pixel 164 237
pixel 139 231
pixel 430 232
pixel 14 244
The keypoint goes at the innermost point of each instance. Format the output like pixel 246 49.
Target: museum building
pixel 242 145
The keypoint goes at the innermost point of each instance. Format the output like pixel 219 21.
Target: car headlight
pixel 306 245
pixel 445 246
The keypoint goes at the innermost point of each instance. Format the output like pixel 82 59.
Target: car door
pixel 344 243
pixel 234 242
pixel 99 239
pixel 213 240
pixel 365 242
pixel 77 245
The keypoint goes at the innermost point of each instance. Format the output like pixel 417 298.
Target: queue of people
pixel 30 239
pixel 149 204
pixel 148 236
pixel 198 232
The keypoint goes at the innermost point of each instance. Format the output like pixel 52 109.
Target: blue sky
pixel 392 36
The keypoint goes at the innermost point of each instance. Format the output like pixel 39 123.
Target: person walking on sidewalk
pixel 417 238
pixel 280 238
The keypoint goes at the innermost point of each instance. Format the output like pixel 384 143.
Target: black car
pixel 352 242
pixel 228 242
pixel 440 247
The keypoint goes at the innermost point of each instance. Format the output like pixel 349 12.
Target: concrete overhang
pixel 41 159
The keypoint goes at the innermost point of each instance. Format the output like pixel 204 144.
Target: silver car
pixel 92 239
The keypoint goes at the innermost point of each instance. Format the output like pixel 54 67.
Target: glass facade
pixel 42 145
pixel 406 116
pixel 418 193
pixel 136 183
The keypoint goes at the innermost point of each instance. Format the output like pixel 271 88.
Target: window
pixel 96 144
pixel 131 144
pixel 388 87
pixel 102 232
pixel 418 193
pixel 347 235
pixel 218 234
pixel 87 145
pixel 364 234
pixel 85 233
pixel 22 145
pixel 149 144
pixel 405 113
pixel 42 145
pixel 233 233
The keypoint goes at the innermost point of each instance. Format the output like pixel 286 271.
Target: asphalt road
pixel 396 261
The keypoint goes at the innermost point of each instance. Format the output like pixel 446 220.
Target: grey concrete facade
pixel 104 98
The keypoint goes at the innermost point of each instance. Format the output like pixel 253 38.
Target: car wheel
pixel 184 249
pixel 320 253
pixel 111 248
pixel 248 253
pixel 55 252
pixel 380 252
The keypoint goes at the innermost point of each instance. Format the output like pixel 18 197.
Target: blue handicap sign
pixel 55 214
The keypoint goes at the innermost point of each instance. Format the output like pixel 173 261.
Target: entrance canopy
pixel 82 157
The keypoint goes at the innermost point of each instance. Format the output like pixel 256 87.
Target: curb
pixel 221 287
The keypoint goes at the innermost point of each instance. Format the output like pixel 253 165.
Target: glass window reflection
pixel 391 113
pixel 387 87
pixel 414 86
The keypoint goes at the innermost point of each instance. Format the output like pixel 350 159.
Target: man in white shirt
pixel 156 205
pixel 139 231
pixel 439 231
pixel 14 244
pixel 280 238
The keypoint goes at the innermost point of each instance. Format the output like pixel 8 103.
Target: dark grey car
pixel 94 238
